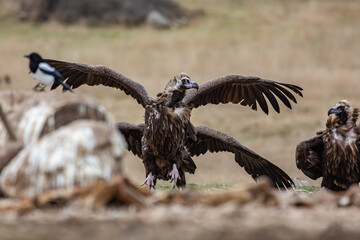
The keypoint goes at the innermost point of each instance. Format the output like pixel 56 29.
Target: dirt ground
pixel 229 221
pixel 314 44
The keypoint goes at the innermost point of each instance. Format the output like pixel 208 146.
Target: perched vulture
pixel 334 153
pixel 167 141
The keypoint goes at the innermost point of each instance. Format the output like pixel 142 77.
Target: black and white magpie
pixel 44 73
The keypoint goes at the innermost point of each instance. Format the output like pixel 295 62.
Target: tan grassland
pixel 314 44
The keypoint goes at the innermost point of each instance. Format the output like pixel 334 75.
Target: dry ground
pixel 186 223
pixel 314 44
pixel 275 218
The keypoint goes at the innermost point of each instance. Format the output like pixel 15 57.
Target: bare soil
pixel 183 222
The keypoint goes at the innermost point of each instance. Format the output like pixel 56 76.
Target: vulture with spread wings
pixel 333 154
pixel 167 141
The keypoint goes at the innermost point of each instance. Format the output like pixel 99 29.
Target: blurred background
pixel 311 43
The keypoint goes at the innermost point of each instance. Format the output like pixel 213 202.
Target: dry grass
pixel 314 44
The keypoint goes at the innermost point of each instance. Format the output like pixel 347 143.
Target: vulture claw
pixel 149 181
pixel 175 176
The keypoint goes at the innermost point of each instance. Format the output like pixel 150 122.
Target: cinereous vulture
pixel 167 141
pixel 333 154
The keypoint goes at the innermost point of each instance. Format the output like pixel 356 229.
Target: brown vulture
pixel 333 153
pixel 167 141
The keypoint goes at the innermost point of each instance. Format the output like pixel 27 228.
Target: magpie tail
pixel 66 86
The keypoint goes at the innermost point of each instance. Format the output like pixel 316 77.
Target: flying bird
pixel 167 141
pixel 44 73
pixel 333 154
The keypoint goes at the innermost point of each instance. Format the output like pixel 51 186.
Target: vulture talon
pixel 175 176
pixel 149 181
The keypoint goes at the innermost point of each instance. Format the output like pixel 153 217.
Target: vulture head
pixel 176 88
pixel 342 113
pixel 181 83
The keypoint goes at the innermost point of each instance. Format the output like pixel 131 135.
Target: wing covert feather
pixel 77 74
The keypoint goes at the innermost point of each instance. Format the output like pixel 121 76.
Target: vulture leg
pixel 150 167
pixel 181 183
pixel 328 182
pixel 175 175
pixel 150 181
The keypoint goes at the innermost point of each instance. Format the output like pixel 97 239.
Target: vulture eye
pixel 184 80
pixel 341 107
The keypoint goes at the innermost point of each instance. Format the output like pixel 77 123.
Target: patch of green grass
pixel 210 187
pixel 307 189
pixel 201 187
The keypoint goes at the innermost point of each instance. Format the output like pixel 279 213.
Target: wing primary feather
pixel 271 98
pixel 244 94
pixel 281 96
pixel 251 100
pixel 260 99
pixel 294 88
pixel 236 95
pixel 287 93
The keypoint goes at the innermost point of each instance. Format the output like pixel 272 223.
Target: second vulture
pixel 333 153
pixel 167 141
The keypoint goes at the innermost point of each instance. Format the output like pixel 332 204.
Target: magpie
pixel 44 73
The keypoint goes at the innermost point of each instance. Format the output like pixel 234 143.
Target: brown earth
pixel 282 216
pixel 178 222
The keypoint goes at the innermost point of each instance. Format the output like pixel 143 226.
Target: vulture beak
pixel 334 110
pixel 192 84
pixel 27 56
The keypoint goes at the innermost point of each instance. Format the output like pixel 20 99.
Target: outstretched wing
pixel 77 74
pixel 214 141
pixel 133 134
pixel 309 156
pixel 248 91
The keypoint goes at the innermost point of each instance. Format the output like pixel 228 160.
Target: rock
pixel 79 154
pixel 93 12
pixel 157 20
pixel 8 152
pixel 33 115
pixel 68 140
